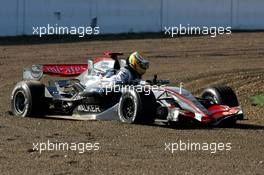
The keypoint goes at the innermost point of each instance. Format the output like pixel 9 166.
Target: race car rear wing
pixel 36 72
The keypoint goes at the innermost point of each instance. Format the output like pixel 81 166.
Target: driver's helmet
pixel 138 63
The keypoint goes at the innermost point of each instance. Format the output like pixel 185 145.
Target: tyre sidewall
pixel 24 89
pixel 213 95
pixel 137 106
pixel 222 95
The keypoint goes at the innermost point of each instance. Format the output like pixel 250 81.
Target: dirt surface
pixel 236 60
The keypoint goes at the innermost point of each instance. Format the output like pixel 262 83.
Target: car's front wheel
pixel 221 95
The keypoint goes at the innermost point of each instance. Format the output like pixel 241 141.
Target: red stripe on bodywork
pixel 101 59
pixel 186 101
pixel 219 111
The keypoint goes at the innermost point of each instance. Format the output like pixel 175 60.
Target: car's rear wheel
pixel 137 107
pixel 28 99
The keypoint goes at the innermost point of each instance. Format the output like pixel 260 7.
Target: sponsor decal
pixel 64 69
pixel 89 108
pixel 36 71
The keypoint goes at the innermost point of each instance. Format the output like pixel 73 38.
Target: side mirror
pixel 181 86
pixel 155 79
pixel 90 66
pixel 122 63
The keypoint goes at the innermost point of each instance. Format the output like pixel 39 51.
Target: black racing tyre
pixel 28 99
pixel 221 95
pixel 135 107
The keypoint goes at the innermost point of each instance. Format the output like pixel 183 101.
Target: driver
pixel 135 67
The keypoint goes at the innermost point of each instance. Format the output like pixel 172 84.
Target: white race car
pixel 87 95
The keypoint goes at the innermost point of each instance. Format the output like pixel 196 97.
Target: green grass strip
pixel 258 100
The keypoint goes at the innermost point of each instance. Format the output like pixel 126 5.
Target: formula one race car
pixel 87 95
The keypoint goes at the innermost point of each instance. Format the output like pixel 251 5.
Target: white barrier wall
pixel 40 13
pixel 17 17
pixel 119 16
pixel 250 14
pixel 9 18
pixel 197 13
pixel 113 16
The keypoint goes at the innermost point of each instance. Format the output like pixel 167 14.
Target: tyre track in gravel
pixel 235 79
